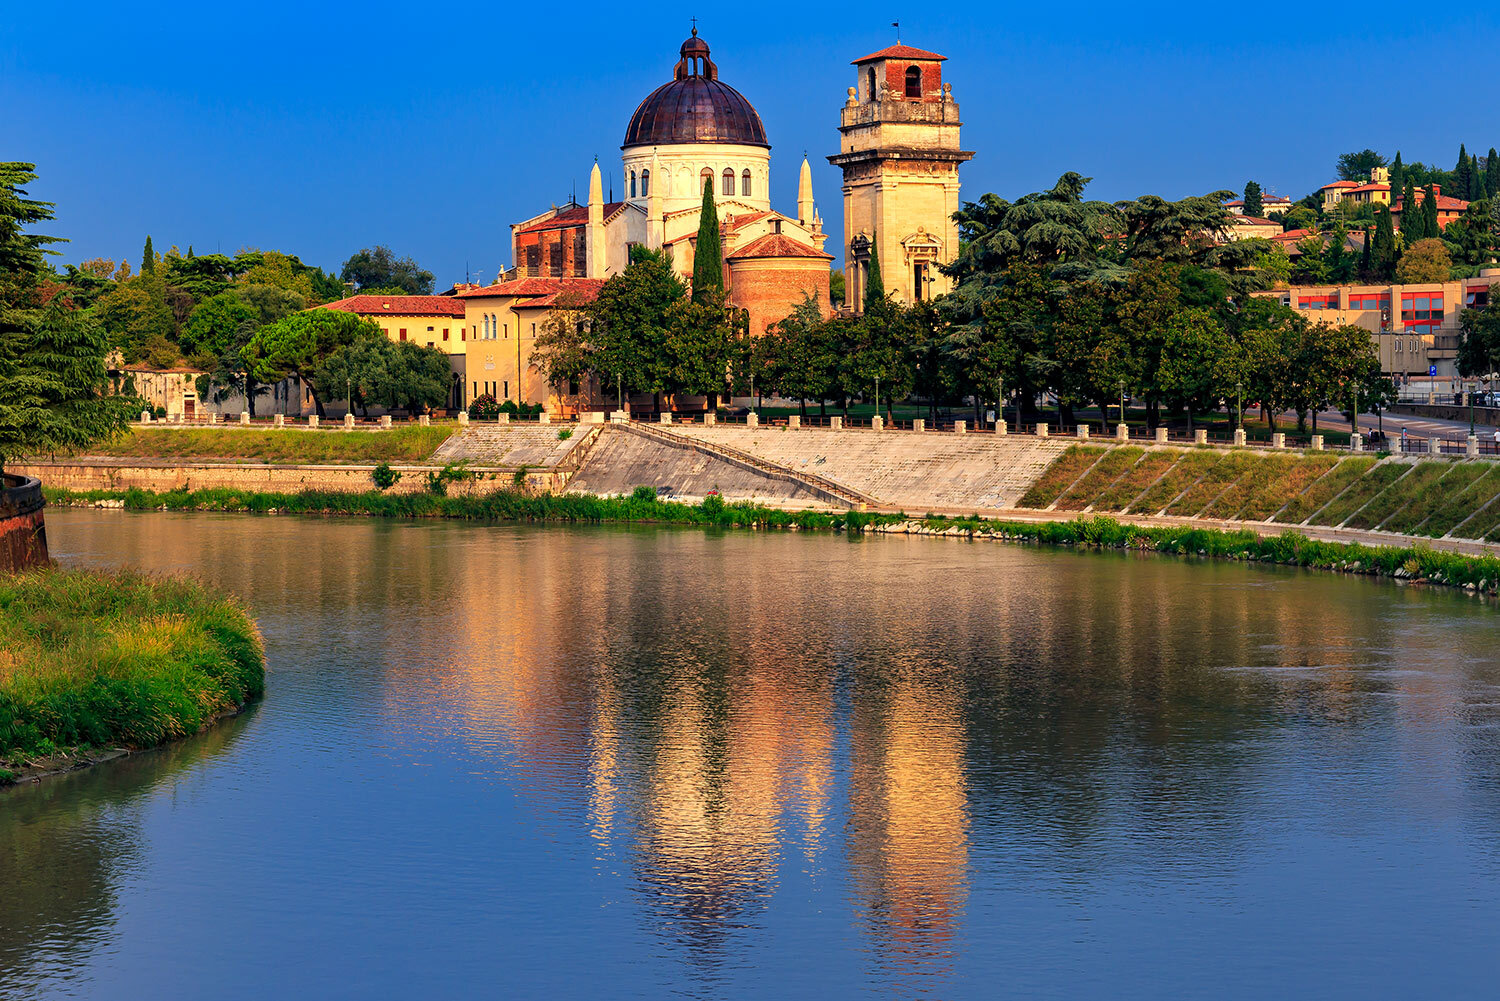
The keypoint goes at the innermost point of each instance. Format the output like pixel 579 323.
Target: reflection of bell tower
pixel 900 158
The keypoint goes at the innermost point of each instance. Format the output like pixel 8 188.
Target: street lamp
pixel 1239 407
pixel 348 394
pixel 877 396
pixel 1122 402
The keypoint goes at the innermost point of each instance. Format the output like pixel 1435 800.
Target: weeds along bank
pixel 280 445
pixel 1290 548
pixel 1434 498
pixel 93 661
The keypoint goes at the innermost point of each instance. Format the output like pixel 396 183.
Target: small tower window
pixel 745 184
pixel 914 81
pixel 728 188
pixel 870 94
pixel 632 184
pixel 705 178
pixel 645 184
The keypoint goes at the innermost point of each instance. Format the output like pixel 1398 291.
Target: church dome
pixel 695 107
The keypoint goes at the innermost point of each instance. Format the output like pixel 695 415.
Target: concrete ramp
pixel 623 459
pixel 918 472
pixel 510 445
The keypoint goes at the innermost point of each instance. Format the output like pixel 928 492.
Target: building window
pixel 403 333
pixel 1318 301
pixel 1477 296
pixel 1420 307
pixel 870 84
pixel 445 333
pixel 914 81
pixel 745 184
pixel 555 259
pixel 506 331
pixel 645 184
pixel 507 389
pixel 632 184
pixel 533 259
pixel 1369 301
pixel 728 188
pixel 705 178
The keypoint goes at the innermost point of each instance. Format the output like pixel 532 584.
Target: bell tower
pixel 899 151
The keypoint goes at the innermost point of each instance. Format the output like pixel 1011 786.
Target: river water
pixel 518 762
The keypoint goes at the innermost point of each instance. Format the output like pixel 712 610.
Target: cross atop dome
pixel 695 61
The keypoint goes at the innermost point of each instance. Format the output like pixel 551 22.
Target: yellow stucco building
pixel 434 321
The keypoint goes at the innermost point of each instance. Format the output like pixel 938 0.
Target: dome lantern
pixel 695 107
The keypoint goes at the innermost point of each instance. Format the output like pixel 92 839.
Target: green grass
pixel 1360 493
pixel 1103 473
pixel 1422 480
pixel 288 445
pixel 1409 517
pixel 1136 479
pixel 1229 467
pixel 1183 474
pixel 93 660
pixel 1323 490
pixel 1456 508
pixel 1060 475
pixel 1252 480
pixel 1482 525
pixel 1293 478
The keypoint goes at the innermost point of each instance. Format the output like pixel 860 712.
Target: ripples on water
pixel 503 761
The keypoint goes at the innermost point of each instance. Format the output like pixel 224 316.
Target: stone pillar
pixel 463 418
pixel 215 417
pixel 752 419
pixel 312 420
pixel 794 421
pixel 546 418
pixel 836 423
pixel 1082 431
pixel 665 417
pixel 1001 428
pixel 1356 443
pixel 348 420
pixel 1472 448
pixel 1435 446
pixel 245 417
pixel 1122 432
pixel 619 417
pixel 1317 443
pixel 1161 436
pixel 278 420
pixel 960 427
pixel 1239 437
pixel 1431 399
pixel 1278 440
pixel 1200 436
pixel 877 423
pixel 711 418
pixel 145 417
pixel 919 425
pixel 424 421
pixel 385 421
pixel 1041 430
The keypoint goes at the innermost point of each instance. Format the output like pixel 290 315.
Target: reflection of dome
pixel 695 107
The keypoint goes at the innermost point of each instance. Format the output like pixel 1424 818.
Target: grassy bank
pixel 290 445
pixel 96 660
pixel 1430 498
pixel 1290 548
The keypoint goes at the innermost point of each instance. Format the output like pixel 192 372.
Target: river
pixel 523 762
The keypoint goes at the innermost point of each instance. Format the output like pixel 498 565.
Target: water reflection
pixel 869 749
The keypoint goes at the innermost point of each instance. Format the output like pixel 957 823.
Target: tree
pixel 701 344
pixel 148 259
pixel 1430 228
pixel 629 323
pixel 1492 173
pixel 216 323
pixel 378 268
pixel 1197 361
pixel 296 345
pixel 1383 251
pixel 874 284
pixel 561 351
pixel 1357 166
pixel 1427 260
pixel 1398 175
pixel 708 255
pixel 836 288
pixel 798 358
pixel 1253 205
pixel 376 371
pixel 136 313
pixel 1479 351
pixel 1180 231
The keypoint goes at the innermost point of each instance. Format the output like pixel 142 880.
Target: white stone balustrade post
pixel 424 421
pixel 877 423
pixel 215 417
pixel 145 417
pixel 1317 443
pixel 665 417
pixel 348 420
pixel 1001 428
pixel 1278 440
pixel 312 420
pixel 1239 437
pixel 502 418
pixel 836 423
pixel 544 418
pixel 1122 431
pixel 960 427
pixel 794 422
pixel 245 417
pixel 752 420
pixel 1435 446
pixel 1200 436
pixel 463 418
pixel 385 421
pixel 1356 443
pixel 1041 430
pixel 278 420
pixel 1161 436
pixel 1082 431
pixel 1471 449
pixel 919 425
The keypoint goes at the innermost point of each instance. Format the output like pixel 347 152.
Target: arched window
pixel 870 94
pixel 705 178
pixel 486 326
pixel 645 184
pixel 914 81
pixel 728 188
pixel 632 184
pixel 745 184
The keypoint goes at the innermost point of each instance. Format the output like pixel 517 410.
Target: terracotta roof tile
pixel 398 305
pixel 899 51
pixel 568 217
pixel 777 245
pixel 524 288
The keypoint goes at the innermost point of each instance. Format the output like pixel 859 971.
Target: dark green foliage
pixel 378 269
pixel 874 284
pixel 103 659
pixel 384 477
pixel 708 254
pixel 1253 204
pixel 1357 166
pixel 148 259
pixel 437 482
pixel 484 408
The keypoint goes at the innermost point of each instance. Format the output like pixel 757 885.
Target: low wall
pixel 1447 412
pixel 160 477
pixel 23 533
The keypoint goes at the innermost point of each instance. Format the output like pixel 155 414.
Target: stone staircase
pixel 511 445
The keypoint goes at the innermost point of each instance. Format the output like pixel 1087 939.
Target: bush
pixel 643 494
pixel 384 476
pixel 160 413
pixel 484 408
pixel 564 434
pixel 437 483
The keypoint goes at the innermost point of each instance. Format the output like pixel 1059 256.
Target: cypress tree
pixel 1398 175
pixel 1365 257
pixel 1461 173
pixel 1476 179
pixel 708 257
pixel 148 259
pixel 1492 173
pixel 1253 204
pixel 1383 256
pixel 874 286
pixel 1429 214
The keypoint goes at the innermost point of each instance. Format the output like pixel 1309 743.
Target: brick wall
pixel 770 293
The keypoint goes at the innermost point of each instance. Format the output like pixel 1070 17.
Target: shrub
pixel 384 476
pixel 643 494
pixel 564 434
pixel 484 408
pixel 437 483
pixel 160 413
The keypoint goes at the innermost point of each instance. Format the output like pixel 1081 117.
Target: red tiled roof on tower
pixel 899 51
pixel 776 245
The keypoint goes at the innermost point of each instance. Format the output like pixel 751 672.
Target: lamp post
pixel 1239 407
pixel 877 396
pixel 619 392
pixel 348 394
pixel 1122 402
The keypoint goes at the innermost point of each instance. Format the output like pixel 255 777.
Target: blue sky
pixel 319 130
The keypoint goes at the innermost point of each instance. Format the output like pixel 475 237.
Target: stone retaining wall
pixel 160 477
pixel 23 532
